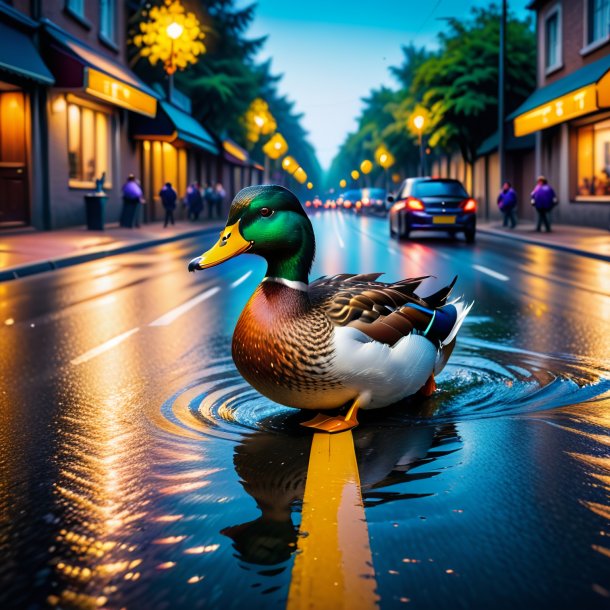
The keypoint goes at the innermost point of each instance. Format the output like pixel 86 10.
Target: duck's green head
pixel 267 220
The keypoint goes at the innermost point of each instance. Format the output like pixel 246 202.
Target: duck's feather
pixel 381 311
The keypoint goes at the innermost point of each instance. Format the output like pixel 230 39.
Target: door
pixel 14 200
pixel 13 196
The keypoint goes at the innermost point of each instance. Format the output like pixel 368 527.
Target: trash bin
pixel 95 204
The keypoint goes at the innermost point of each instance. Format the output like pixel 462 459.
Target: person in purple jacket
pixel 507 202
pixel 544 200
pixel 132 196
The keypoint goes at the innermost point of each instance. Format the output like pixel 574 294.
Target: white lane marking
pixel 104 347
pixel 241 280
pixel 175 313
pixel 339 239
pixel 491 272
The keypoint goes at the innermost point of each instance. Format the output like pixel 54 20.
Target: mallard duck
pixel 347 340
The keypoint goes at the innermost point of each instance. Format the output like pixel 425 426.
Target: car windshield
pixel 438 188
pixel 351 195
pixel 373 193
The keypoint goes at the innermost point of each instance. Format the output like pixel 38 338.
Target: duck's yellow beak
pixel 230 244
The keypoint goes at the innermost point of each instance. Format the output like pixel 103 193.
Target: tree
pixel 460 83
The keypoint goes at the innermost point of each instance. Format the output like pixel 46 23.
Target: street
pixel 139 470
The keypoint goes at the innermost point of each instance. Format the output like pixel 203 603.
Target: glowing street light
pixel 418 121
pixel 174 30
pixel 366 166
pixel 342 183
pixel 310 185
pixel 355 174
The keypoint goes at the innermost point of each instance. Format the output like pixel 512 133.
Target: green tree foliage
pixel 227 77
pixel 457 85
pixel 460 84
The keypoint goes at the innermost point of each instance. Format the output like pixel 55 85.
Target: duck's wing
pixel 384 312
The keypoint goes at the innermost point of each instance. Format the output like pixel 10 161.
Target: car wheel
pixel 470 234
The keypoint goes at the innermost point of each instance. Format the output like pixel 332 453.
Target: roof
pixel 188 129
pixel 587 75
pixel 511 143
pixel 27 62
pixel 172 124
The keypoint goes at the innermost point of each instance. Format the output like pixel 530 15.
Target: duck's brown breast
pixel 283 347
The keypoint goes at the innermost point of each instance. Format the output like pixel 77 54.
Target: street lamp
pixel 418 121
pixel 174 31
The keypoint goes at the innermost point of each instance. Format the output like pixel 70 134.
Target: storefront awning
pixel 78 66
pixel 511 143
pixel 175 126
pixel 235 154
pixel 19 56
pixel 582 92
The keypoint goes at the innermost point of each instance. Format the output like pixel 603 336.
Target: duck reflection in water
pixel 273 470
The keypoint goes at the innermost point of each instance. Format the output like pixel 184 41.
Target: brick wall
pixel 573 39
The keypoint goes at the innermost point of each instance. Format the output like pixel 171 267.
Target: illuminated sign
pixel 117 92
pixel 564 108
pixel 235 150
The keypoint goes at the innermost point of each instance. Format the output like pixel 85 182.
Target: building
pixel 71 111
pixel 569 112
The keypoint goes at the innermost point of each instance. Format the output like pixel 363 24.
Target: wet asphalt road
pixel 139 471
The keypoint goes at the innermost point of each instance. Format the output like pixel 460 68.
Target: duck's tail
pixel 452 317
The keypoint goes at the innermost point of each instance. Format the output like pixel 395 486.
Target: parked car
pixel 432 204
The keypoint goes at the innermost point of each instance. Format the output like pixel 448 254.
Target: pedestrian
pixel 194 201
pixel 218 199
pixel 208 198
pixel 168 199
pixel 132 196
pixel 544 200
pixel 507 202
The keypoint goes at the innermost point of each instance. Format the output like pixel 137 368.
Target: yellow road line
pixel 334 566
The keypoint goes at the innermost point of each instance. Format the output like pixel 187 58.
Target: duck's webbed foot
pixel 338 423
pixel 428 388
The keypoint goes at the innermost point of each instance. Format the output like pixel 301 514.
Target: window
pixel 594 161
pixel 598 20
pixel 552 39
pixel 77 7
pixel 89 145
pixel 107 19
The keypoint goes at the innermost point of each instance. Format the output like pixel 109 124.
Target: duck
pixel 345 342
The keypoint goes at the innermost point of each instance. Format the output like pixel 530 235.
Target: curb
pixel 553 246
pixel 27 269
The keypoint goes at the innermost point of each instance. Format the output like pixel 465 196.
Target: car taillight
pixel 308 204
pixel 470 205
pixel 347 203
pixel 415 204
pixel 358 204
pixel 365 201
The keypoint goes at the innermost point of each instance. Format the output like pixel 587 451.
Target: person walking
pixel 219 198
pixel 132 196
pixel 507 202
pixel 194 201
pixel 544 200
pixel 168 199
pixel 208 198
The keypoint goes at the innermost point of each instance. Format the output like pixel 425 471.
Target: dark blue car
pixel 432 204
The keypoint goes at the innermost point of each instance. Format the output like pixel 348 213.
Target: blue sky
pixel 332 52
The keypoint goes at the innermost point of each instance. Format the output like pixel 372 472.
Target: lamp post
pixel 418 121
pixel 174 31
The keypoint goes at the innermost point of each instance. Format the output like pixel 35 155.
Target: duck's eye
pixel 266 212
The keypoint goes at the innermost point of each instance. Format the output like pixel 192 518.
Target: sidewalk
pixel 27 252
pixel 585 241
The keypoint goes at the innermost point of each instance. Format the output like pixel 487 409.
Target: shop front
pixel 175 148
pixel 89 110
pixel 23 79
pixel 571 121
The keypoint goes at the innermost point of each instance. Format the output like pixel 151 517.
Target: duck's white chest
pixel 378 373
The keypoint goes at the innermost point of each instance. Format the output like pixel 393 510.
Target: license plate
pixel 444 220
